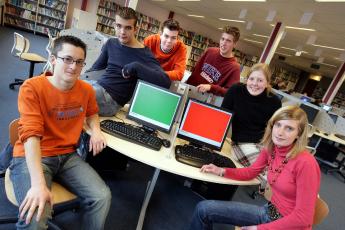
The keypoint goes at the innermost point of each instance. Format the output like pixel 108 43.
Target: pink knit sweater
pixel 295 190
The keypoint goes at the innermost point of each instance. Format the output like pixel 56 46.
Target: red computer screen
pixel 205 121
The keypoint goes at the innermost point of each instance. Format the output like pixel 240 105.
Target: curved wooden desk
pixel 165 160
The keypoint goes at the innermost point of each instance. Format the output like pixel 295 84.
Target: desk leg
pixel 149 190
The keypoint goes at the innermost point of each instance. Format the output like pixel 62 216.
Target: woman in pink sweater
pixel 293 175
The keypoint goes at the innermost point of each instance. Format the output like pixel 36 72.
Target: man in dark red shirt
pixel 217 69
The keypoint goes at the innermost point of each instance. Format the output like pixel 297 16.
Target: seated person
pixel 293 175
pixel 52 113
pixel 217 69
pixel 170 52
pixel 125 60
pixel 253 104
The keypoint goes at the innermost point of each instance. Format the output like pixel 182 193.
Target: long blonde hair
pixel 288 113
pixel 266 71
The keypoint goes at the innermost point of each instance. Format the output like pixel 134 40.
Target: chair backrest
pixel 321 207
pixel 20 45
pixel 13 131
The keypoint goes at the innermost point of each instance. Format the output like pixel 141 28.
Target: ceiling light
pixel 287 48
pixel 297 28
pixel 231 20
pixel 243 13
pixel 188 0
pixel 329 0
pixel 271 15
pixel 328 64
pixel 288 55
pixel 306 17
pixel 244 0
pixel 329 47
pixel 249 40
pixel 196 16
pixel 249 26
pixel 260 35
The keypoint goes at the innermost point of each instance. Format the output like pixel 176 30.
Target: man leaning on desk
pixel 125 60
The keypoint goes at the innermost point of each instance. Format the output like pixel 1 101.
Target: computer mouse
pixel 166 143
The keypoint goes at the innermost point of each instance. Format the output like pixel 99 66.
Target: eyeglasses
pixel 70 61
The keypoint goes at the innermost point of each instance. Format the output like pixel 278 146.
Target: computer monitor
pixel 305 98
pixel 154 107
pixel 204 124
pixel 310 111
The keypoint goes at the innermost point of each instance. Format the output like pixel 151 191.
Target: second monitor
pixel 204 124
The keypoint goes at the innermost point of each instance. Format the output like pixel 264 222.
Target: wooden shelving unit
pixel 38 16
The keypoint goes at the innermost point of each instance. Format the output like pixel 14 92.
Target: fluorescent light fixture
pixel 311 39
pixel 320 60
pixel 188 0
pixel 306 17
pixel 244 0
pixel 329 0
pixel 318 53
pixel 288 55
pixel 220 28
pixel 260 35
pixel 249 26
pixel 328 64
pixel 329 47
pixel 196 16
pixel 271 15
pixel 287 48
pixel 231 20
pixel 296 28
pixel 243 13
pixel 250 40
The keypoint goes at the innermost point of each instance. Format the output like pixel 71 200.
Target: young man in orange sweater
pixel 169 51
pixel 52 113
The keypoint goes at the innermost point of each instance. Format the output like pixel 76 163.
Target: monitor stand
pixel 149 130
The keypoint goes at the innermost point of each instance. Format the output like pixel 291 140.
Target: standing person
pixel 170 52
pixel 293 175
pixel 217 69
pixel 52 112
pixel 125 60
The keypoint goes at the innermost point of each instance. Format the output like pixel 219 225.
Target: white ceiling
pixel 328 20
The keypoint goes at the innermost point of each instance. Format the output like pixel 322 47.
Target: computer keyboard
pixel 131 133
pixel 197 157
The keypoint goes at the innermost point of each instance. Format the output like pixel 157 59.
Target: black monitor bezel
pixel 145 123
pixel 192 140
pixel 309 106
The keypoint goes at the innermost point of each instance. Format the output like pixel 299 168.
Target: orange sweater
pixel 174 63
pixel 55 116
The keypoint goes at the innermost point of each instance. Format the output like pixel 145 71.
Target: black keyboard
pixel 131 133
pixel 197 157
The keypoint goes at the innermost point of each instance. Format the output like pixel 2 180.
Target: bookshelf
pixel 38 16
pixel 147 26
pixel 106 19
pixel 198 44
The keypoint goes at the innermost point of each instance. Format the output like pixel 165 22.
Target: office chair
pixel 20 49
pixel 320 213
pixel 63 199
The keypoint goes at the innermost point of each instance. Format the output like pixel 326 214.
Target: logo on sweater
pixel 66 113
pixel 210 73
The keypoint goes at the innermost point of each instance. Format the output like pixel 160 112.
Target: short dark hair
pixel 127 13
pixel 171 24
pixel 234 31
pixel 58 42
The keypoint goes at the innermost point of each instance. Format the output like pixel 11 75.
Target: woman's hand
pixel 211 168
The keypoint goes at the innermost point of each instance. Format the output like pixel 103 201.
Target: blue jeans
pixel 74 174
pixel 108 107
pixel 208 212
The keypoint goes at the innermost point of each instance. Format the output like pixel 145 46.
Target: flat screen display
pixel 154 106
pixel 310 111
pixel 204 124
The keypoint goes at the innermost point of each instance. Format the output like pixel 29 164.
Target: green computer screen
pixel 154 106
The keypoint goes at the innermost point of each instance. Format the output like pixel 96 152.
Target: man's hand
pixel 97 142
pixel 36 197
pixel 203 88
